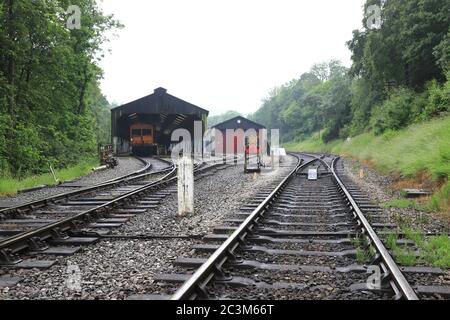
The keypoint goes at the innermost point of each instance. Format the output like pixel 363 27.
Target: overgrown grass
pixel 402 253
pixel 437 251
pixel 364 252
pixel 415 236
pixel 403 204
pixel 440 201
pixel 433 250
pixel 419 148
pixel 10 185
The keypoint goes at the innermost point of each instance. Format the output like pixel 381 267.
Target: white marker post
pixel 185 186
pixel 313 174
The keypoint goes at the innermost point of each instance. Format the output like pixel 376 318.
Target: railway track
pixel 301 239
pixel 79 190
pixel 62 225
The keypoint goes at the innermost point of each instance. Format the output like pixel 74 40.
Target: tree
pixel 212 121
pixel 407 50
pixel 397 77
pixel 48 78
pixel 324 71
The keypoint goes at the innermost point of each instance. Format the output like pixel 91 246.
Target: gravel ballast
pixel 377 186
pixel 117 269
pixel 126 166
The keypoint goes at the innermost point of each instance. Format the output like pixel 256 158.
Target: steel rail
pixel 45 201
pixel 147 166
pixel 398 277
pixel 22 238
pixel 206 272
pixel 25 236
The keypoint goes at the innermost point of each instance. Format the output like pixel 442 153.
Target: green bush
pixel 24 150
pixel 399 110
pixel 438 99
pixel 362 101
pixel 330 133
pixel 31 149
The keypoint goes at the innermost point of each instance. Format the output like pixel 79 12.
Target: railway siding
pixel 118 267
pixel 275 235
pixel 309 239
pixel 126 166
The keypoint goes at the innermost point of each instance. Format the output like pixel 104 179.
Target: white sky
pixel 222 54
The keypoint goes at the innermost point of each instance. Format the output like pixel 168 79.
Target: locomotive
pixel 142 139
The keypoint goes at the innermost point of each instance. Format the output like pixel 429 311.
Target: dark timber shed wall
pixel 166 112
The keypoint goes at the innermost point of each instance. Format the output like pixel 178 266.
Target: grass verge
pixel 364 252
pixel 434 251
pixel 404 204
pixel 10 185
pixel 417 151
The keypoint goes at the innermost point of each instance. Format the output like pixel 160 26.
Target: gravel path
pixel 126 165
pixel 118 269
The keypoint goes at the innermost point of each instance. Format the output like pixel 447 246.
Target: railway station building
pixel 146 125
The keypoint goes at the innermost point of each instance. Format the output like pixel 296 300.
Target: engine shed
pixel 235 143
pixel 145 126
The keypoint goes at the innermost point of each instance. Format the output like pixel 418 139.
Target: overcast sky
pixel 222 54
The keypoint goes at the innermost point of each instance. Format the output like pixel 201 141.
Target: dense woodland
pixel 400 75
pixel 52 111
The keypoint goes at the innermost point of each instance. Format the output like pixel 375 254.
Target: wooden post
pixel 272 158
pixel 54 175
pixel 185 186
